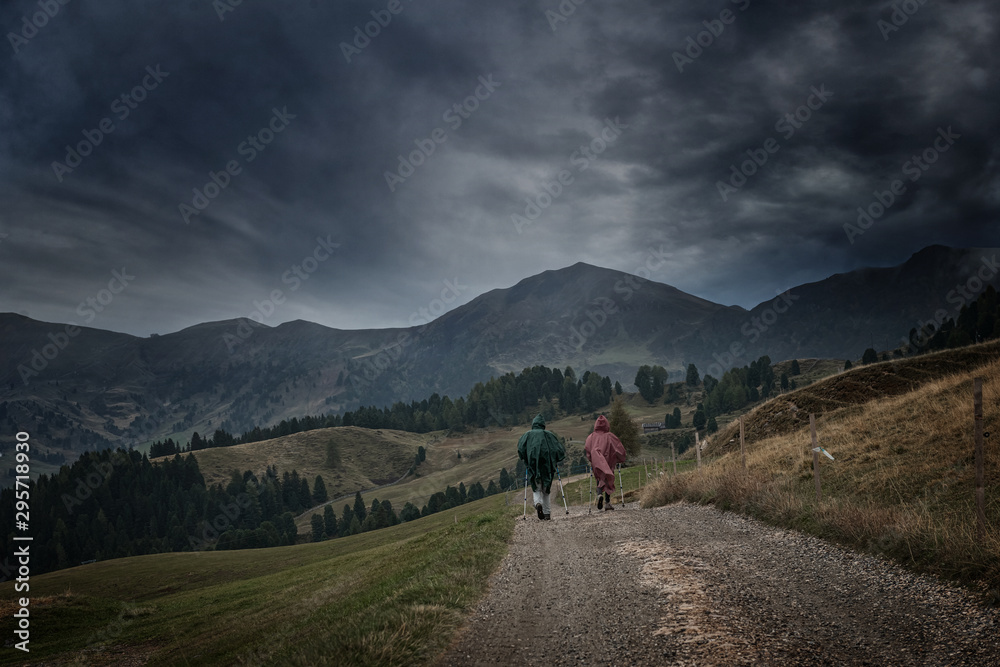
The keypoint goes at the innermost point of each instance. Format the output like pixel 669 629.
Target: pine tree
pixel 658 376
pixel 390 515
pixel 618 388
pixel 622 425
pixel 329 521
pixel 410 512
pixel 319 491
pixel 795 368
pixel 318 527
pixel 305 495
pixel 359 507
pixel 644 382
pixel 692 379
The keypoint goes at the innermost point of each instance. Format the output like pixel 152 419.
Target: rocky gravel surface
pixel 689 585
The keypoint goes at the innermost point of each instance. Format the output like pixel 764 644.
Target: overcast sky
pixel 641 124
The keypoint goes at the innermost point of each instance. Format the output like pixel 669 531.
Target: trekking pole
pixel 524 516
pixel 562 489
pixel 621 486
pixel 590 489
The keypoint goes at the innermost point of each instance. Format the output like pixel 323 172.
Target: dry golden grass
pixel 367 457
pixel 903 483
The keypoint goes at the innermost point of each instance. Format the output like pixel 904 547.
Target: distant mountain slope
pixel 844 314
pixel 97 388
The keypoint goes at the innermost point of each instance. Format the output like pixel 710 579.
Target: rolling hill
pixel 348 458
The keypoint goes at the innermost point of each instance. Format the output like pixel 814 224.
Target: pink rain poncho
pixel 604 451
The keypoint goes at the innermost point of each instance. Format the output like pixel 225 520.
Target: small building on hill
pixel 652 427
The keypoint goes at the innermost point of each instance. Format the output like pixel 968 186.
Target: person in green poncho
pixel 541 452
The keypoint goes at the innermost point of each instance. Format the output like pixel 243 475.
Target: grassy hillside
pixel 483 456
pixel 364 457
pixel 902 483
pixel 789 412
pixel 388 597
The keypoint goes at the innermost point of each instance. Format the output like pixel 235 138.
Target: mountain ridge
pixel 95 387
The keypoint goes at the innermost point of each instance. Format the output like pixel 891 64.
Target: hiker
pixel 604 451
pixel 541 452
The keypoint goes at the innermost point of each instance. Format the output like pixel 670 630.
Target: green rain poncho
pixel 541 451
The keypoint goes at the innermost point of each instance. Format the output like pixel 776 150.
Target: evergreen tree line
pixel 508 400
pixel 737 388
pixel 652 383
pixel 359 519
pixel 115 503
pixel 977 321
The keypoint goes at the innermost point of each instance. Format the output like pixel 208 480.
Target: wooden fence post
pixel 815 448
pixel 977 401
pixel 673 456
pixel 743 449
pixel 697 449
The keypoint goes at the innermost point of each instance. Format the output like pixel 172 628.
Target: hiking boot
pixel 538 508
pixel 548 517
pixel 608 508
pixel 600 501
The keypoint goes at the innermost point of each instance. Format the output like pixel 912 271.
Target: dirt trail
pixel 688 585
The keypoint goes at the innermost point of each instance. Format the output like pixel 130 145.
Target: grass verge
pixel 902 484
pixel 388 597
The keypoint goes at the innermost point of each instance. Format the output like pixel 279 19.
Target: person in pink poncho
pixel 604 451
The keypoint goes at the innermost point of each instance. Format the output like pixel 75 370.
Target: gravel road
pixel 689 585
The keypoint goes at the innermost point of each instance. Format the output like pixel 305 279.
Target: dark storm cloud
pixel 556 79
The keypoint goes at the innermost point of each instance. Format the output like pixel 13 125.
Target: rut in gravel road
pixel 689 585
